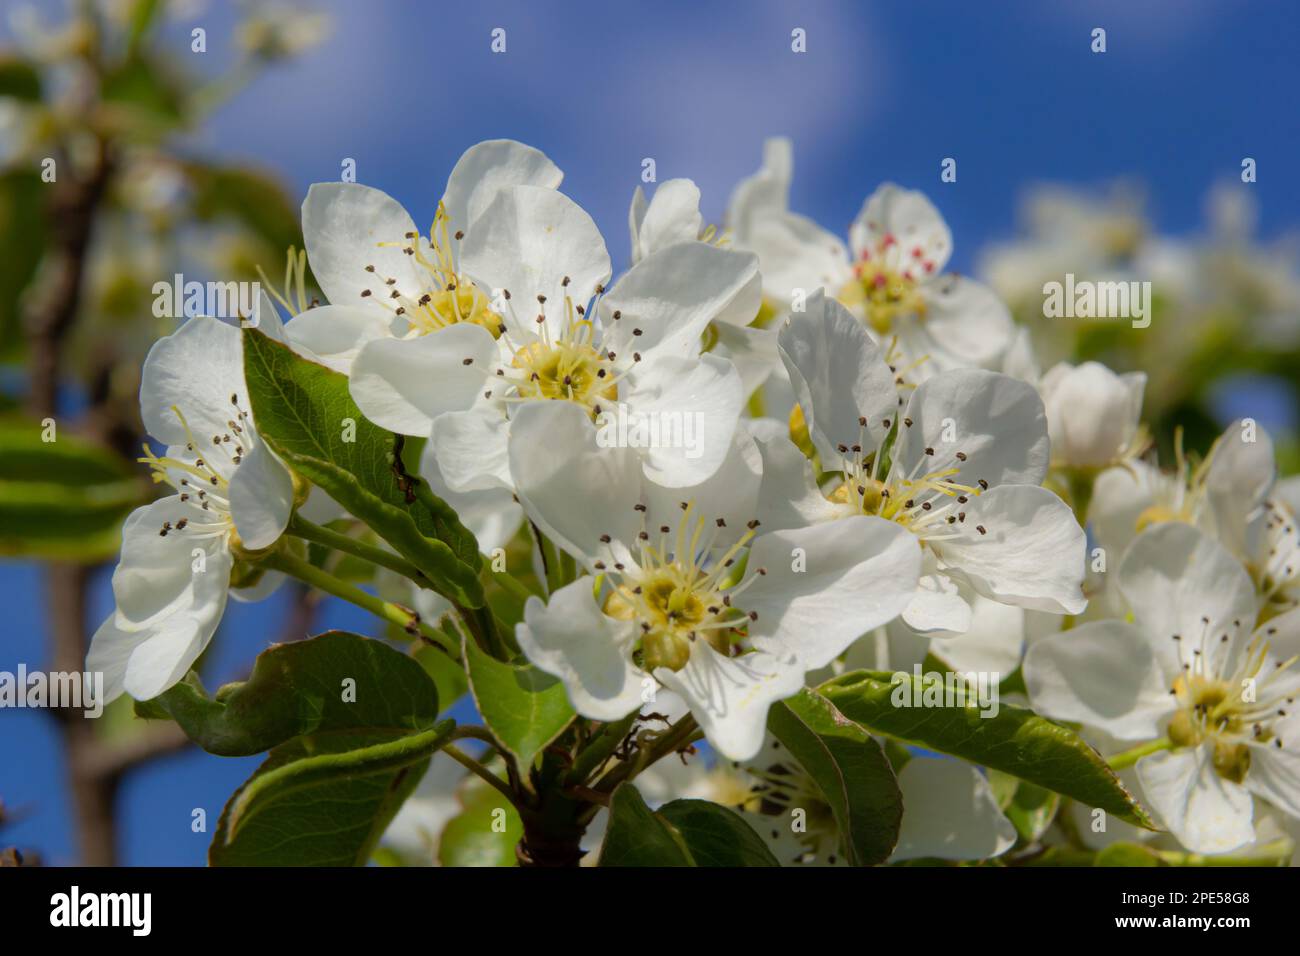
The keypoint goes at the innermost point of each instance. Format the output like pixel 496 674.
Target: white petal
pixel 334 334
pixel 693 406
pixel 797 255
pixel 471 448
pixel 261 497
pixel 492 515
pixel 730 494
pixel 1119 496
pixel 527 241
pixel 1237 483
pixel 789 497
pixel 665 301
pixel 909 218
pixel 966 323
pixel 839 378
pixel 590 652
pixel 1172 576
pixel 752 350
pixel 404 384
pixel 992 642
pixel 765 192
pixel 997 421
pixel 575 490
pixel 195 369
pixel 950 813
pixel 1205 812
pixel 343 225
pixel 730 696
pixel 829 584
pixel 1092 413
pixel 154 577
pixel 490 166
pixel 1032 553
pixel 1101 674
pixel 1275 771
pixel 937 604
pixel 636 216
pixel 672 217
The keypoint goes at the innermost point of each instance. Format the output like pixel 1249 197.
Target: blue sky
pixel 886 91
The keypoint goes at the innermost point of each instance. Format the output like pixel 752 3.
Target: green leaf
pixel 1029 807
pixel 1127 854
pixel 1015 741
pixel 715 835
pixel 850 769
pixel 681 833
pixel 304 411
pixel 323 802
pixel 637 836
pixel 472 837
pixel 525 708
pixel 448 675
pixel 64 499
pixel 19 79
pixel 297 690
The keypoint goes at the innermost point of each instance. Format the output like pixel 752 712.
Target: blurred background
pixel 170 159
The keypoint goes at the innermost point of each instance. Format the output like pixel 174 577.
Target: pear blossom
pixel 1199 666
pixel 966 459
pixel 669 604
pixel 389 284
pixel 949 810
pixel 230 495
pixel 1230 495
pixel 1092 414
pixel 890 275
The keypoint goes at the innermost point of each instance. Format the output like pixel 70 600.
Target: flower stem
pixel 300 527
pixel 308 573
pixel 469 763
pixel 1128 758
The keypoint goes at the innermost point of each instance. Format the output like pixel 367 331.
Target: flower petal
pixel 404 384
pixel 829 584
pixel 906 216
pixel 1101 674
pixel 527 241
pixel 693 406
pixel 575 490
pixel 334 334
pixel 488 167
pixel 195 369
pixel 839 378
pixel 965 323
pixel 673 216
pixel 343 225
pixel 996 421
pixel 1207 813
pixel 471 448
pixel 789 497
pixel 261 497
pixel 730 696
pixel 570 638
pixel 492 515
pixel 949 813
pixel 1173 576
pixel 665 301
pixel 1031 553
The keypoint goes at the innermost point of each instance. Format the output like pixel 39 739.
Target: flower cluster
pixel 837 456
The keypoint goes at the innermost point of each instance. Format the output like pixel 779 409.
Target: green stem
pixel 594 755
pixel 308 573
pixel 469 763
pixel 302 528
pixel 679 735
pixel 1271 854
pixel 512 585
pixel 1128 758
